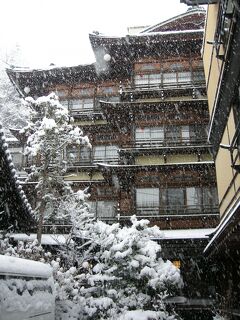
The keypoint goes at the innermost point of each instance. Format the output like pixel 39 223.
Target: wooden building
pixel 144 106
pixel 221 56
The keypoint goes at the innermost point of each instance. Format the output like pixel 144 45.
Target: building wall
pixel 227 179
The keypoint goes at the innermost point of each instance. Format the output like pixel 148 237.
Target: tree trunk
pixel 40 222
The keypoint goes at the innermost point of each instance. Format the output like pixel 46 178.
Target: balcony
pixel 182 211
pixel 166 143
pixel 93 161
pixel 166 84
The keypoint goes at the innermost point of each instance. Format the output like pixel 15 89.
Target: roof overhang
pixel 198 2
pixel 227 234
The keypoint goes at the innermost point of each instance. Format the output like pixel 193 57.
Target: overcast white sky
pixel 56 31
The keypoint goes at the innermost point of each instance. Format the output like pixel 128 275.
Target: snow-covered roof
pixel 188 233
pixel 47 239
pixel 173 19
pixel 20 215
pixel 23 267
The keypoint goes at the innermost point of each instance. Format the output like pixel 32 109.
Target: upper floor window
pixel 103 209
pixel 149 133
pixel 144 79
pixel 147 197
pixel 170 133
pixel 105 153
pixel 80 154
pixel 86 91
pixel 81 104
pixel 198 76
pixel 177 200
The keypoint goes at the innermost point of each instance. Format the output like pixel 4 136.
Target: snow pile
pixel 145 315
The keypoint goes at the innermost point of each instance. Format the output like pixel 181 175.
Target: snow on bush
pixel 119 271
pixel 218 317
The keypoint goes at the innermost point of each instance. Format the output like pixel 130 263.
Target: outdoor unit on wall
pixel 198 2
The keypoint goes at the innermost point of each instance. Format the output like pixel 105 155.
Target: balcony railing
pixel 92 162
pixel 164 86
pixel 234 149
pixel 190 210
pixel 145 143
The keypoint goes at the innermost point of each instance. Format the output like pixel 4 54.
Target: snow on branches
pixel 49 133
pixel 120 270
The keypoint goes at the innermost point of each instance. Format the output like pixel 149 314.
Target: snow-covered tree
pixel 13 113
pixel 49 133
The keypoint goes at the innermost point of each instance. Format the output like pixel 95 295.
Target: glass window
pixel 73 154
pixel 175 197
pixel 141 79
pixel 149 133
pixel 85 154
pixel 157 133
pixel 145 79
pixel 80 104
pixel 99 153
pixel 198 75
pixel 173 133
pixel 92 206
pixel 142 133
pixel 185 133
pixel 210 197
pixel 169 77
pixel 86 91
pixel 184 76
pixel 79 154
pixel 154 78
pixel 17 159
pixel 147 197
pixel 106 209
pixel 111 152
pixel 194 197
pixel 64 103
pixel 106 153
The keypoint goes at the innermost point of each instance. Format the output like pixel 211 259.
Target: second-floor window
pixel 81 104
pixel 177 200
pixel 149 133
pixel 81 155
pixel 103 209
pixel 105 153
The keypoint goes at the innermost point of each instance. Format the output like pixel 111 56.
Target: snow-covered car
pixel 26 290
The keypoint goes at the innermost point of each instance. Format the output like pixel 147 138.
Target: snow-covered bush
pixel 112 272
pixel 121 272
pixel 218 317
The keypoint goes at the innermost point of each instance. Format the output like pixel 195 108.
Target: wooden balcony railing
pixel 158 143
pixel 198 84
pixel 177 210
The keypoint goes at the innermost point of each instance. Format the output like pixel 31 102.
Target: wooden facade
pixel 143 105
